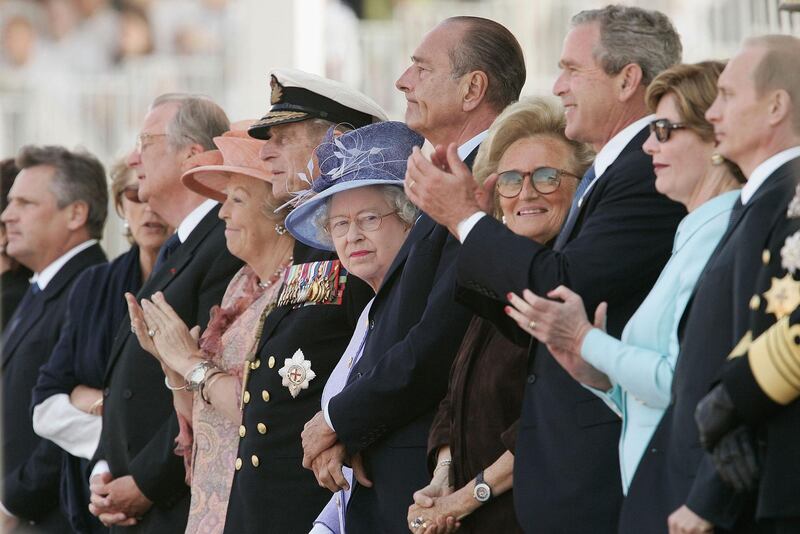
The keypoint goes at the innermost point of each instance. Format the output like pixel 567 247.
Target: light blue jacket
pixel 641 365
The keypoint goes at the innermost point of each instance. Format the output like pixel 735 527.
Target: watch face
pixel 482 492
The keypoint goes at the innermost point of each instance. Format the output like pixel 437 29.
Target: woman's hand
pixel 444 514
pixel 562 326
pixel 139 327
pixel 425 498
pixel 176 346
pixel 86 399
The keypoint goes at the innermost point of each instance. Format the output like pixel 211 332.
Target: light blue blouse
pixel 641 365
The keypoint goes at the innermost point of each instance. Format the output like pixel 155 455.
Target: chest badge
pixel 783 296
pixel 296 373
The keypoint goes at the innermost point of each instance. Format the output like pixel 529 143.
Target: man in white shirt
pixel 55 216
pixel 614 243
pixel 756 121
pixel 135 466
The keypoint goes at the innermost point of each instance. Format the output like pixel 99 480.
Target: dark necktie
pixel 169 246
pixel 574 209
pixel 23 309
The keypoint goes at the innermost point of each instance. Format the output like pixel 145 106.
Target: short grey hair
pixel 78 177
pixel 395 198
pixel 631 34
pixel 198 120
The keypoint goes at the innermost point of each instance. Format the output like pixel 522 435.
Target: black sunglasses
pixel 663 128
pixel 544 180
pixel 131 192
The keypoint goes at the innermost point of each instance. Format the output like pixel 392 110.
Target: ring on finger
pixel 532 324
pixel 133 329
pixel 417 522
pixel 151 332
pixel 411 184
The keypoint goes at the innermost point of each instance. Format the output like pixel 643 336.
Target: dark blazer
pixel 139 421
pixel 96 307
pixel 13 285
pixel 392 393
pixel 566 466
pixel 272 493
pixel 32 465
pixel 718 317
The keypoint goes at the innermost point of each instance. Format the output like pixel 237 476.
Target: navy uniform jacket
pixel 272 493
pixel 566 465
pixel 139 421
pixel 717 318
pixel 32 465
pixel 386 409
pixel 763 378
pixel 96 307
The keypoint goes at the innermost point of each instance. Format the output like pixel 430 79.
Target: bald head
pixel 778 70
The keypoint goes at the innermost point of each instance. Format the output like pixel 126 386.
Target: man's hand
pixel 446 192
pixel 317 436
pixel 735 459
pixel 327 468
pixel 715 416
pixel 100 504
pixel 684 521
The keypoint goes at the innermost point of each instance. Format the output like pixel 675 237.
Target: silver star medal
pixel 790 253
pixel 296 373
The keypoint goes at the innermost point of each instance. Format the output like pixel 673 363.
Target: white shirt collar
pixel 467 148
pixel 611 150
pixel 765 170
pixel 190 222
pixel 44 277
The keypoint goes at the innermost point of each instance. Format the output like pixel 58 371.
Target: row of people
pixel 415 363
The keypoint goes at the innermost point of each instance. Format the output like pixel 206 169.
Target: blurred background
pixel 82 72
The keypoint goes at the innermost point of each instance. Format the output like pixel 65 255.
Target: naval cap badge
pixel 296 373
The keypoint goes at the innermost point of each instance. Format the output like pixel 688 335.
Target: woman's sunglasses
pixel 663 128
pixel 131 193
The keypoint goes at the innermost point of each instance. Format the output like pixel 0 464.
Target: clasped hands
pixel 436 508
pixel 117 501
pixel 171 342
pixel 326 456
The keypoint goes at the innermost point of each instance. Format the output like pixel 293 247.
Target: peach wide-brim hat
pixel 207 173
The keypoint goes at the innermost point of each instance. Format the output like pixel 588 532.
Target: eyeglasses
pixel 544 180
pixel 131 193
pixel 145 140
pixel 663 128
pixel 367 222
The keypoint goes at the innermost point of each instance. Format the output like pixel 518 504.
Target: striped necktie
pixel 574 209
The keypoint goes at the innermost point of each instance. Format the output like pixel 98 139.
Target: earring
pixel 280 229
pixel 125 224
pixel 503 219
pixel 717 159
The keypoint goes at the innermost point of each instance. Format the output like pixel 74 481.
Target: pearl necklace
pixel 276 274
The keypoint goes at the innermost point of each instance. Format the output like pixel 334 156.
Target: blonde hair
pixel 778 69
pixel 530 117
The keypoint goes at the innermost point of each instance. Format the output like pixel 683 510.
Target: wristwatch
pixel 482 491
pixel 197 375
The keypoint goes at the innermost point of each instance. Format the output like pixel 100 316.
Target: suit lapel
pixel 86 258
pixel 162 278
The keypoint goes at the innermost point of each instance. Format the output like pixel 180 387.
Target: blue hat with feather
pixel 376 154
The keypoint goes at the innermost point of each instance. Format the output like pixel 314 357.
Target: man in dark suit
pixel 613 245
pixel 751 420
pixel 55 216
pixel 465 71
pixel 137 478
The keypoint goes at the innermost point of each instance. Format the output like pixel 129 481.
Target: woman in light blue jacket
pixel 633 375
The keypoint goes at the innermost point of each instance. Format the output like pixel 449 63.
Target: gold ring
pixel 411 184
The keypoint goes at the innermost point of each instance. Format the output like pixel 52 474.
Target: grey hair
pixel 78 177
pixel 631 34
pixel 395 198
pixel 489 47
pixel 198 120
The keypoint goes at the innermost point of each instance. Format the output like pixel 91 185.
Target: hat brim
pixel 210 180
pixel 260 129
pixel 300 222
